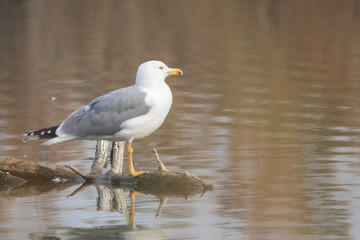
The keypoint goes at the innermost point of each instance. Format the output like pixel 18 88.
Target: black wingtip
pixel 40 134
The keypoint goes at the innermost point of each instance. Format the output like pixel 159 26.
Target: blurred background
pixel 268 111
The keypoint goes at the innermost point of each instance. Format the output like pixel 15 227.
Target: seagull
pixel 125 114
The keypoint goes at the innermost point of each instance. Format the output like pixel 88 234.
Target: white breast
pixel 159 98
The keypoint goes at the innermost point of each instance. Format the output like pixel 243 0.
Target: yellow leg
pixel 131 165
pixel 132 205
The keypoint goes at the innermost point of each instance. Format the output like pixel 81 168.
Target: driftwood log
pixel 26 178
pixel 35 171
pixel 161 182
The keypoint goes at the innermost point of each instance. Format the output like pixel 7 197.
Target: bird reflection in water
pixel 114 199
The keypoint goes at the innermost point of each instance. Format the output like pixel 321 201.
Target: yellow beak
pixel 175 71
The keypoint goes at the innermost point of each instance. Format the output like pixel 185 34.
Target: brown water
pixel 268 111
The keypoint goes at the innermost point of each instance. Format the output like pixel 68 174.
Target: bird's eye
pixel 161 68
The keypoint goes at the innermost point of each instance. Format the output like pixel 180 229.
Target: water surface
pixel 268 111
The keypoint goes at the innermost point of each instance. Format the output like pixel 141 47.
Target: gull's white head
pixel 153 72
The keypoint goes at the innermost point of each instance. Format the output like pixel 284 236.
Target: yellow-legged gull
pixel 125 114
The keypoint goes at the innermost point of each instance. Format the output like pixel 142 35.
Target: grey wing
pixel 104 115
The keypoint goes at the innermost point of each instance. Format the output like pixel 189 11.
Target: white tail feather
pixel 57 140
